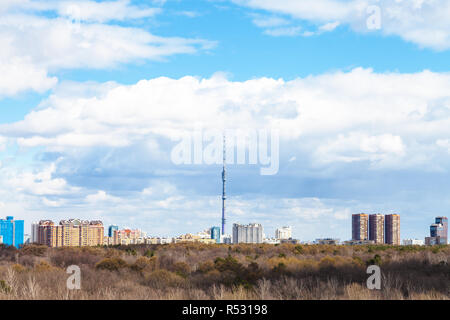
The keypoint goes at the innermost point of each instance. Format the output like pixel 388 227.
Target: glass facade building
pixel 438 232
pixel 215 234
pixel 111 230
pixel 12 231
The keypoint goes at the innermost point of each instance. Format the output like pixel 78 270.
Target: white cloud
pixel 35 46
pixel 321 10
pixel 59 43
pixel 444 143
pixel 423 22
pixel 359 147
pixel 41 183
pixel 101 196
pixel 84 10
pixel 288 31
pixel 52 203
pixel 3 142
pixel 329 26
pixel 264 22
pixel 103 11
pixel 189 14
pixel 18 75
pixel 353 116
pixel 312 209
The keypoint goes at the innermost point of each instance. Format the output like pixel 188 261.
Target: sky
pixel 95 96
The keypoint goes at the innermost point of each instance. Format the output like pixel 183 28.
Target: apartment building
pixel 360 227
pixel 251 233
pixel 283 233
pixel 69 233
pixel 376 228
pixel 392 229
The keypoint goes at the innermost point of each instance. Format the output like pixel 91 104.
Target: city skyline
pixel 89 117
pixel 366 229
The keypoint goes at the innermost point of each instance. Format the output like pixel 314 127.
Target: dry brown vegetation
pixel 196 271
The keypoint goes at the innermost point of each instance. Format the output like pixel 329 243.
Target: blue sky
pixel 95 94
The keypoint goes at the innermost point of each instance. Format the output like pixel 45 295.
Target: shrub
pixel 144 263
pixel 19 268
pixel 149 253
pixel 298 249
pixel 280 269
pixel 253 273
pixel 33 250
pixel 327 262
pixel 228 264
pixel 162 278
pixel 358 261
pixel 7 253
pixel 182 269
pixel 4 287
pixel 111 264
pixel 131 252
pixel 43 266
pixel 375 260
pixel 64 257
pixel 205 267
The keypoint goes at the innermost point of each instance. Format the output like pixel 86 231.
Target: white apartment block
pixel 413 242
pixel 251 233
pixel 283 233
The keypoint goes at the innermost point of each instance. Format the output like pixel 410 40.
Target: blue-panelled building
pixel 111 230
pixel 12 231
pixel 215 234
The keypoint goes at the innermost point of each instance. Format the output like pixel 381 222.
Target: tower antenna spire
pixel 224 179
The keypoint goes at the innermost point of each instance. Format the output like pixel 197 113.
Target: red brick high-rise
pixel 392 229
pixel 376 228
pixel 360 226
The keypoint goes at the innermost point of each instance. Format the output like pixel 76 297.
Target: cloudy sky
pixel 94 96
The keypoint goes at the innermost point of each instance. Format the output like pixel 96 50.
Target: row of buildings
pixel 78 233
pixel 366 229
pixel 376 228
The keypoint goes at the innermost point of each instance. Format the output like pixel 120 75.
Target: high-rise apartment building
pixel 251 233
pixel 376 228
pixel 392 229
pixel 12 231
pixel 438 232
pixel 442 230
pixel 215 234
pixel 283 233
pixel 360 226
pixel 34 232
pixel 111 230
pixel 69 233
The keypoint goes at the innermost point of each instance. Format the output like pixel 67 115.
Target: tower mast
pixel 224 179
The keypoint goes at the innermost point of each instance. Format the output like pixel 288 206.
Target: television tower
pixel 224 179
